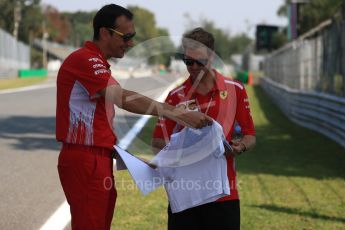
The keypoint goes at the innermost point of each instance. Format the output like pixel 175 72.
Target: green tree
pixel 317 11
pixel 279 39
pixel 145 24
pixel 222 39
pixel 146 28
pixel 58 26
pixel 239 43
pixel 29 18
pixel 313 13
pixel 81 27
pixel 225 44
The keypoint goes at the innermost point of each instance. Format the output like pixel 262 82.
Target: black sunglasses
pixel 199 62
pixel 125 37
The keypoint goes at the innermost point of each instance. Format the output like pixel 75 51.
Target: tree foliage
pixel 313 13
pixel 225 44
pixel 238 43
pixel 146 28
pixel 58 25
pixel 30 15
pixel 81 27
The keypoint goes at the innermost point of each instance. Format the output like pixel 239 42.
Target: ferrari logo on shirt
pixel 223 94
pixel 190 105
pixel 181 105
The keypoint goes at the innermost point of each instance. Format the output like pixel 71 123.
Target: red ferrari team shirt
pixel 227 103
pixel 82 115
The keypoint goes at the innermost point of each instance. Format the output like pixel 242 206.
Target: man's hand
pixel 237 148
pixel 240 146
pixel 190 119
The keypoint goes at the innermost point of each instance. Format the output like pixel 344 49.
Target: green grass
pixel 20 82
pixel 294 179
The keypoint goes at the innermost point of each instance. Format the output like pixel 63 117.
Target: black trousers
pixel 216 215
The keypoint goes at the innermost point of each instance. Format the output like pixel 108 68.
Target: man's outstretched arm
pixel 138 103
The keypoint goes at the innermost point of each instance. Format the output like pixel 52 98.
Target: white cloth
pixel 191 145
pixel 193 167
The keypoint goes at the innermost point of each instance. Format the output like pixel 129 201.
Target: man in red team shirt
pixel 86 94
pixel 225 101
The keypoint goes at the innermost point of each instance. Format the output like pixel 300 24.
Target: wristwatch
pixel 244 147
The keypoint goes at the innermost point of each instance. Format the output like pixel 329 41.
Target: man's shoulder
pixel 85 54
pixel 231 82
pixel 82 57
pixel 177 90
pixel 175 94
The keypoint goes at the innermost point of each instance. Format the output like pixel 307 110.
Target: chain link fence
pixel 306 79
pixel 14 55
pixel 314 62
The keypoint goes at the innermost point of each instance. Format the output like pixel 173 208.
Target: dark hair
pixel 196 38
pixel 106 17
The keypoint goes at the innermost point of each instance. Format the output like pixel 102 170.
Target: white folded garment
pixel 194 167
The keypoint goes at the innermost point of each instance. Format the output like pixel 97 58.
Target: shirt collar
pixel 93 47
pixel 220 81
pixel 220 84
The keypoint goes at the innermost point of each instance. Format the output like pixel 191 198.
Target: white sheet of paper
pixel 146 178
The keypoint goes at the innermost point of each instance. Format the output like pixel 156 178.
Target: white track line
pixel 139 125
pixel 61 217
pixel 28 88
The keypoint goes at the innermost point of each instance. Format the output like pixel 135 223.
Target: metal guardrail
pixel 320 112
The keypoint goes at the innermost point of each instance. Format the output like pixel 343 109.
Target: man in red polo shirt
pixel 224 100
pixel 86 94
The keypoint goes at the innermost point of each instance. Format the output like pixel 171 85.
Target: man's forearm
pixel 131 101
pixel 137 103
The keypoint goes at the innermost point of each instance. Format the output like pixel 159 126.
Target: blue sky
pixel 235 16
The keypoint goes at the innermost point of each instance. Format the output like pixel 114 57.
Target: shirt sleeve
pixel 164 127
pixel 243 115
pixel 92 72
